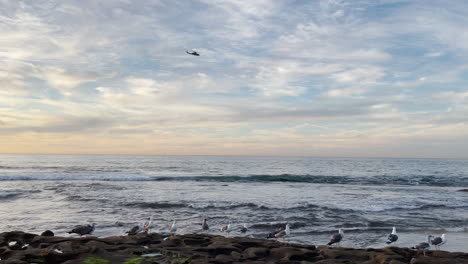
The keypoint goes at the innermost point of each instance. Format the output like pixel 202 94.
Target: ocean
pixel 316 196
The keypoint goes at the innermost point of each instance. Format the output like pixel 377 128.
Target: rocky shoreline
pixel 18 247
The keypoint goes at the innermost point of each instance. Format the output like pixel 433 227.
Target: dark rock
pixel 47 233
pixel 203 248
pixel 255 253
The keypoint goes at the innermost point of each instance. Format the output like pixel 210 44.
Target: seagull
pixel 439 241
pixel 83 229
pixel 336 238
pixel 244 229
pixel 205 226
pixel 147 225
pixel 173 228
pixel 393 237
pixel 227 228
pixel 424 245
pixel 285 233
pixel 194 53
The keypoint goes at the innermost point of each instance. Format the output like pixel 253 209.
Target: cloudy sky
pixel 358 78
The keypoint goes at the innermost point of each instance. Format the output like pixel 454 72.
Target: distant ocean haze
pixel 366 197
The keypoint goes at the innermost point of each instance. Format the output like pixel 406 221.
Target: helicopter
pixel 194 53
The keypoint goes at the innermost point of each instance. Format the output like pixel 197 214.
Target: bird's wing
pixel 436 241
pixel 336 238
pixel 280 234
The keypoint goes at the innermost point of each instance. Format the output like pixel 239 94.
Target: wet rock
pixel 202 248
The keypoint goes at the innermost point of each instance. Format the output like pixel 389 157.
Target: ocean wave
pixel 449 181
pixel 327 179
pixel 11 194
pixel 304 207
pixel 166 205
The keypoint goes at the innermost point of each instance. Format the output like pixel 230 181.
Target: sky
pixel 357 78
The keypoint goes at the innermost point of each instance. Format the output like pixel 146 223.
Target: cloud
pixel 366 75
pixel 333 76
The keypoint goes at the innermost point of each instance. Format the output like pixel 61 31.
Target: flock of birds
pixel 284 233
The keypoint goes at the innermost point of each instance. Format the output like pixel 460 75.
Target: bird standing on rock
pixel 205 226
pixel 285 233
pixel 424 245
pixel 227 228
pixel 83 229
pixel 393 237
pixel 439 241
pixel 243 229
pixel 336 238
pixel 148 225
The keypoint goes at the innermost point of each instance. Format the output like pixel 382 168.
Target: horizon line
pixel 238 155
